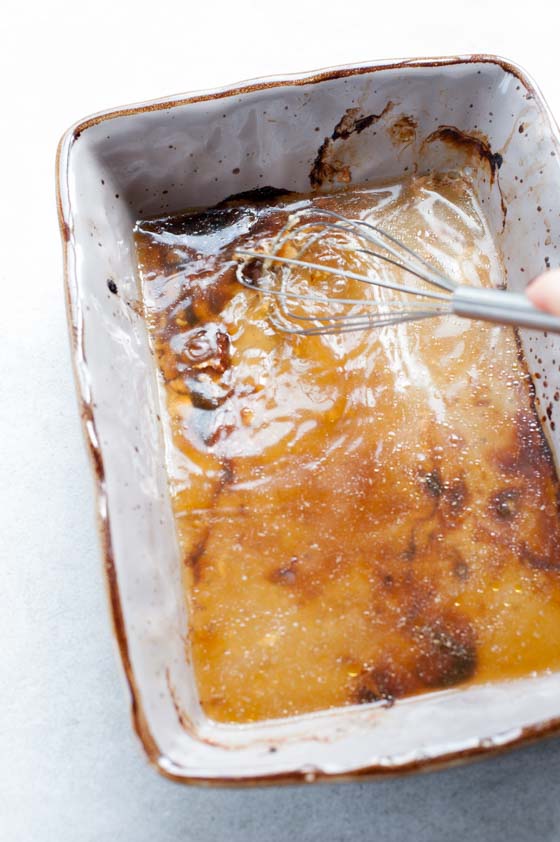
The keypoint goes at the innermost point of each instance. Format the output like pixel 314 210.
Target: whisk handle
pixel 502 307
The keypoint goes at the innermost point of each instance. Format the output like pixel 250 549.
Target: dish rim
pixel 74 312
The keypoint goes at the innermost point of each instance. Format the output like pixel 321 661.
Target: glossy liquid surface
pixel 362 517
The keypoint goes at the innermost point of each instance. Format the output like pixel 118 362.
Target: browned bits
pixel 285 575
pixel 197 360
pixel 384 683
pixel 461 570
pixel 433 483
pixel 403 130
pixel 247 416
pixel 329 165
pixel 205 348
pixel 547 561
pixel 446 651
pixel 505 504
pixel 205 393
pixel 470 143
pixel 528 448
pixel 220 434
pixel 455 497
pixel 451 495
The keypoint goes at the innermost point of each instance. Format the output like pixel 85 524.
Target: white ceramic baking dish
pixel 195 150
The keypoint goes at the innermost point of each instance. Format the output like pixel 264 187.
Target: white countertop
pixel 70 768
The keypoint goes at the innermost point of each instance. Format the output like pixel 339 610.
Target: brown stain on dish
pixel 327 168
pixel 477 146
pixel 184 720
pixel 403 130
pixel 472 144
pixel 162 764
pixel 351 123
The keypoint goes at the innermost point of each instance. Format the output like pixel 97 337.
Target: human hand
pixel 544 292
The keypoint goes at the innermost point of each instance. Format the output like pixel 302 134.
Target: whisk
pixel 313 311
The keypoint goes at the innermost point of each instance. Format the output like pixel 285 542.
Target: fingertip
pixel 544 291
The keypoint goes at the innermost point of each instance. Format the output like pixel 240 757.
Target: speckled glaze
pixel 476 111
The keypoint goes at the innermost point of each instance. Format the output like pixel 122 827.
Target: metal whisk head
pixel 319 298
pixel 315 299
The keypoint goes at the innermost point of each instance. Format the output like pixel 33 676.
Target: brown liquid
pixel 362 517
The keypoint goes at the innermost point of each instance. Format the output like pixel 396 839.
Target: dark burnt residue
pixel 205 348
pixel 433 483
pixel 227 476
pixel 351 123
pixel 219 434
pixel 528 454
pixel 205 393
pixel 194 558
pixel 326 167
pixel 461 569
pixel 451 495
pixel 548 561
pixel 527 465
pixel 505 504
pixel 328 171
pixel 476 146
pixel 200 223
pixel 319 171
pixel 383 683
pixel 411 548
pixel 201 366
pixel 446 651
pixel 415 598
pixel 455 499
pixel 255 195
pixel 443 654
pixel 470 143
pixel 285 575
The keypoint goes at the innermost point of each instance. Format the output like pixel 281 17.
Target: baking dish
pixel 478 111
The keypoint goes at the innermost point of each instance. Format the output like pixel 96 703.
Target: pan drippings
pixel 363 516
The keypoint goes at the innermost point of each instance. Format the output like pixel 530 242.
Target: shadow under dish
pixel 365 516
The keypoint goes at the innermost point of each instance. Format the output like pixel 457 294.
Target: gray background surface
pixel 70 768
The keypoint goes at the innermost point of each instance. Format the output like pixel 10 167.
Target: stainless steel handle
pixel 502 307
